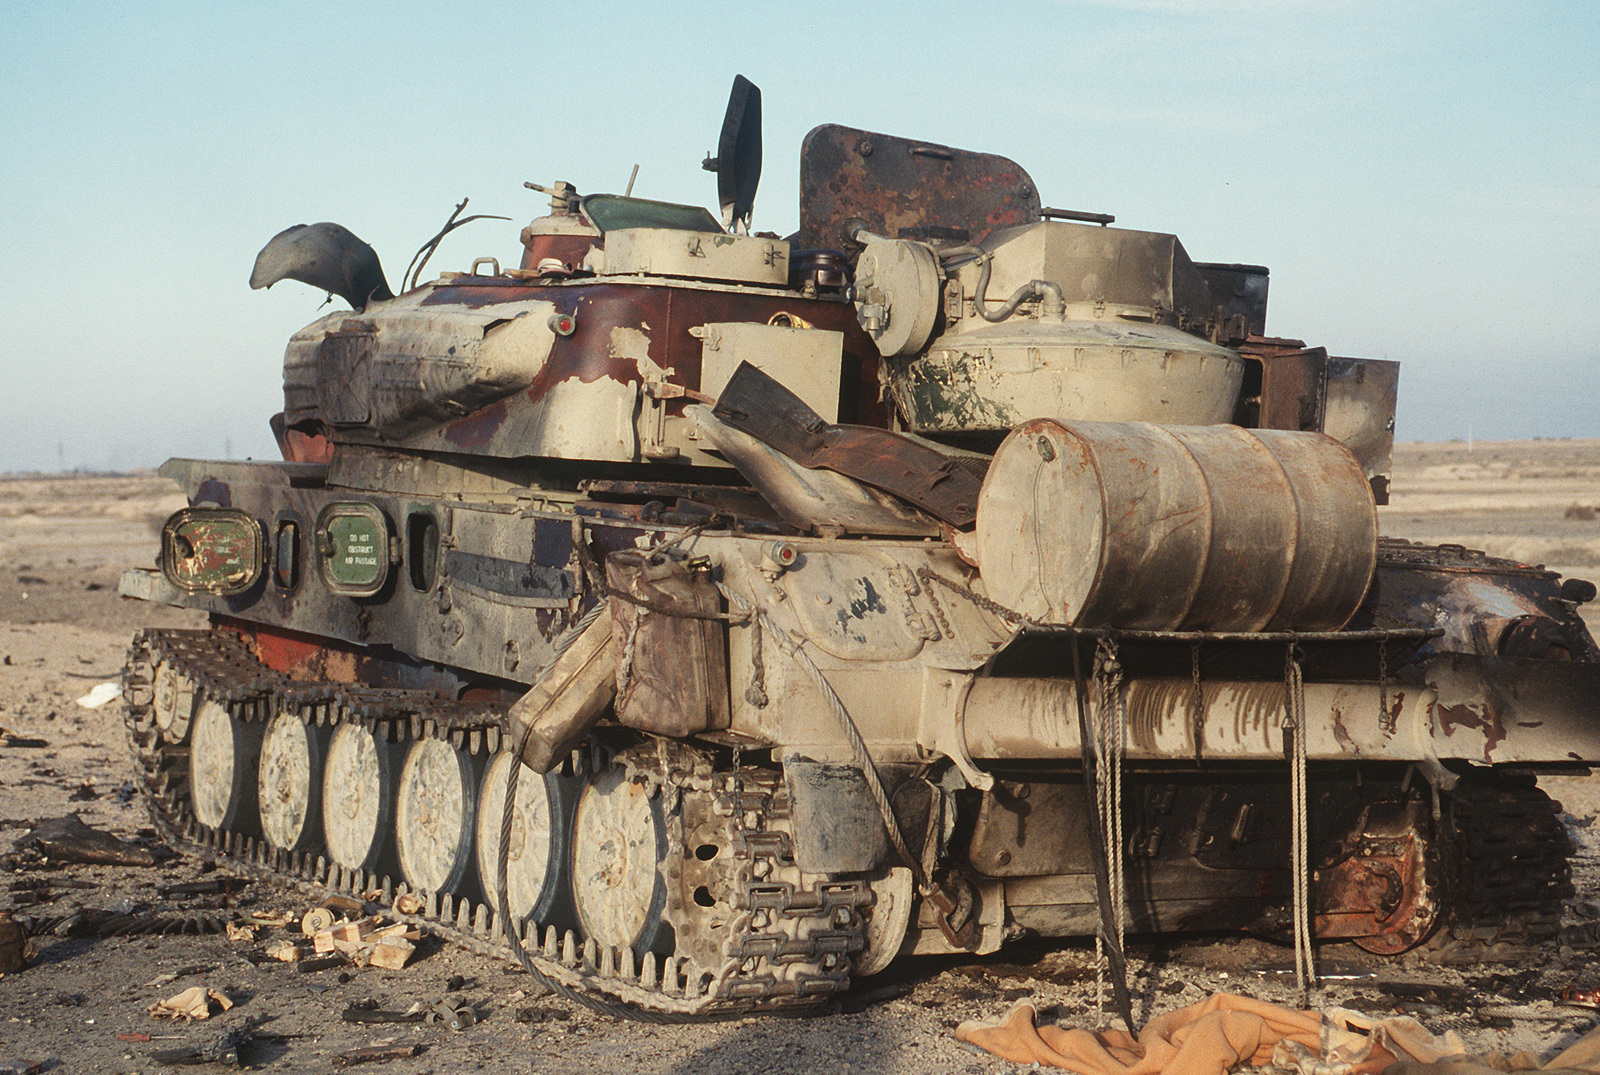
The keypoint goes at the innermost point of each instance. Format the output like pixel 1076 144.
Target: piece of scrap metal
pixel 942 484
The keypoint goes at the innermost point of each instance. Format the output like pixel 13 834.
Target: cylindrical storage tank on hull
pixel 1199 528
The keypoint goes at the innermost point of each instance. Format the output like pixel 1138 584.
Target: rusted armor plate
pixel 911 469
pixel 904 189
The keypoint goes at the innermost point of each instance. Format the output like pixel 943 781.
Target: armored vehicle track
pixel 691 905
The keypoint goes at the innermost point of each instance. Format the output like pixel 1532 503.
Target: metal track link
pixel 1511 875
pixel 791 941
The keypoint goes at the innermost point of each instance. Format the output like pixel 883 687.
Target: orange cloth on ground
pixel 1215 1036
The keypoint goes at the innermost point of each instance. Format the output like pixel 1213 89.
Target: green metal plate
pixel 212 550
pixel 353 548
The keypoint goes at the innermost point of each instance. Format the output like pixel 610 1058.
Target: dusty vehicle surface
pixel 716 617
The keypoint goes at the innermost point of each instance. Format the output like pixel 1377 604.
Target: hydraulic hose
pixel 1053 304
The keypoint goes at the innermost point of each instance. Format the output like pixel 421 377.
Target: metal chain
pixel 1386 720
pixel 1198 716
pixel 938 610
pixel 927 574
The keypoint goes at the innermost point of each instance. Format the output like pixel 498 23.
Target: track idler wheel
pixel 537 876
pixel 619 845
pixel 357 799
pixel 435 813
pixel 893 900
pixel 223 763
pixel 289 783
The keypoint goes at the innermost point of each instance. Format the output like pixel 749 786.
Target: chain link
pixel 1198 717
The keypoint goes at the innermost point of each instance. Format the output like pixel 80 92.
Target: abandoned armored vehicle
pixel 716 617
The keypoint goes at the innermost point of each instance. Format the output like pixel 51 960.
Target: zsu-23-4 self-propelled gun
pixel 952 570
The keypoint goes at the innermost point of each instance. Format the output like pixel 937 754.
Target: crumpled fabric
pixel 193 1003
pixel 1582 1057
pixel 1221 1033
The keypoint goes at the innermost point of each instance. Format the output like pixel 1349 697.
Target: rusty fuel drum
pixel 1199 528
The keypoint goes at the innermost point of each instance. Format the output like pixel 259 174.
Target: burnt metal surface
pixel 837 823
pixel 1374 881
pixel 1293 391
pixel 1238 299
pixel 1027 828
pixel 1514 709
pixel 675 503
pixel 1358 409
pixel 914 470
pixel 508 578
pixel 1479 604
pixel 1292 386
pixel 900 188
pixel 1382 889
pixel 664 315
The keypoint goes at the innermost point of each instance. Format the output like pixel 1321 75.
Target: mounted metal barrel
pixel 1146 527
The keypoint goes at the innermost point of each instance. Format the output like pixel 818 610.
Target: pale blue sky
pixel 1422 178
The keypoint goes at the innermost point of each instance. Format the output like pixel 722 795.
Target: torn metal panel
pixel 852 179
pixel 811 500
pixel 1514 709
pixel 941 483
pixel 1359 411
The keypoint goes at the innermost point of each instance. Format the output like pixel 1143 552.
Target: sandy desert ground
pixel 81 1005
